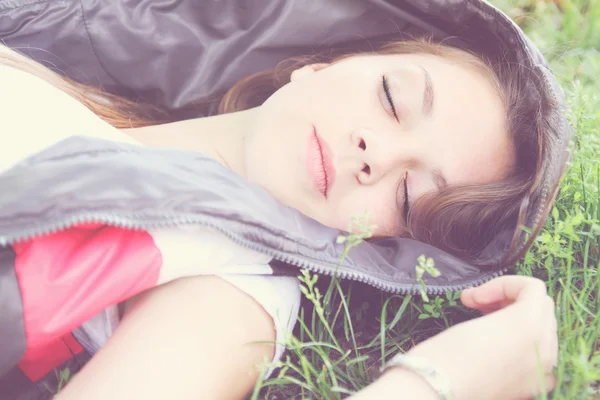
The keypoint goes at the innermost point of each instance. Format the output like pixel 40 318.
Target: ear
pixel 307 70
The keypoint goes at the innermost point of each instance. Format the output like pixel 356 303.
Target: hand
pixel 508 353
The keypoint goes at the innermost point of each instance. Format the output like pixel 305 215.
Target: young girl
pixel 99 205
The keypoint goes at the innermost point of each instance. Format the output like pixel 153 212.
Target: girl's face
pixel 374 133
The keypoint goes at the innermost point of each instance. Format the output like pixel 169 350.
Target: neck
pixel 221 136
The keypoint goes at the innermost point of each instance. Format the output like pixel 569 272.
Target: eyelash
pixel 406 203
pixel 388 94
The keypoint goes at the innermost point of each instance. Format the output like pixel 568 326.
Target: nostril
pixel 366 169
pixel 362 145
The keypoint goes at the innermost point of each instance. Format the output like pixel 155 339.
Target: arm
pixel 189 339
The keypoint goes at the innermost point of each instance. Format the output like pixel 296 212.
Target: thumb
pixel 489 293
pixel 501 292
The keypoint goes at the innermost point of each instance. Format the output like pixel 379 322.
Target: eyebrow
pixel 428 94
pixel 439 179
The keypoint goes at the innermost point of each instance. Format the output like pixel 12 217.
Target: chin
pixel 270 164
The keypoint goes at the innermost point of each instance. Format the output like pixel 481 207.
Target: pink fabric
pixel 38 361
pixel 68 277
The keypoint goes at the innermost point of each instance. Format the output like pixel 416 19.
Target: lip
pixel 319 164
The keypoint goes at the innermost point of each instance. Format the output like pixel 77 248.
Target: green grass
pixel 338 348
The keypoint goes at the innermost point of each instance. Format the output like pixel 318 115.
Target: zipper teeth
pixel 161 221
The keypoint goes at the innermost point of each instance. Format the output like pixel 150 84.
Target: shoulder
pixel 36 112
pixel 196 250
pixel 199 250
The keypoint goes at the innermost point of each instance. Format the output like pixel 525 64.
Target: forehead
pixel 468 123
pixel 470 116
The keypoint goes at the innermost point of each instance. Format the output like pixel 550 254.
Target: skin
pixel 372 151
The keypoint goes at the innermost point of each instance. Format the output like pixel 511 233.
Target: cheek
pixel 387 221
pixel 336 99
pixel 272 160
pixel 420 183
pixel 382 213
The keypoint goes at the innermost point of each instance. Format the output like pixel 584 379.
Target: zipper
pixel 134 222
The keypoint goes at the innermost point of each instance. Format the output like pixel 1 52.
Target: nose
pixel 375 156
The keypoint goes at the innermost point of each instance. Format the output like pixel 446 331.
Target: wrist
pixel 398 382
pixel 455 371
pixel 425 369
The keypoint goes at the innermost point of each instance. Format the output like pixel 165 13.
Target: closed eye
pixel 388 95
pixel 405 207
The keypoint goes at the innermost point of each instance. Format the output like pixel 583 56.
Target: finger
pixel 487 309
pixel 490 309
pixel 482 297
pixel 549 353
pixel 552 333
pixel 502 291
pixel 537 386
pixel 554 321
pixel 550 383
